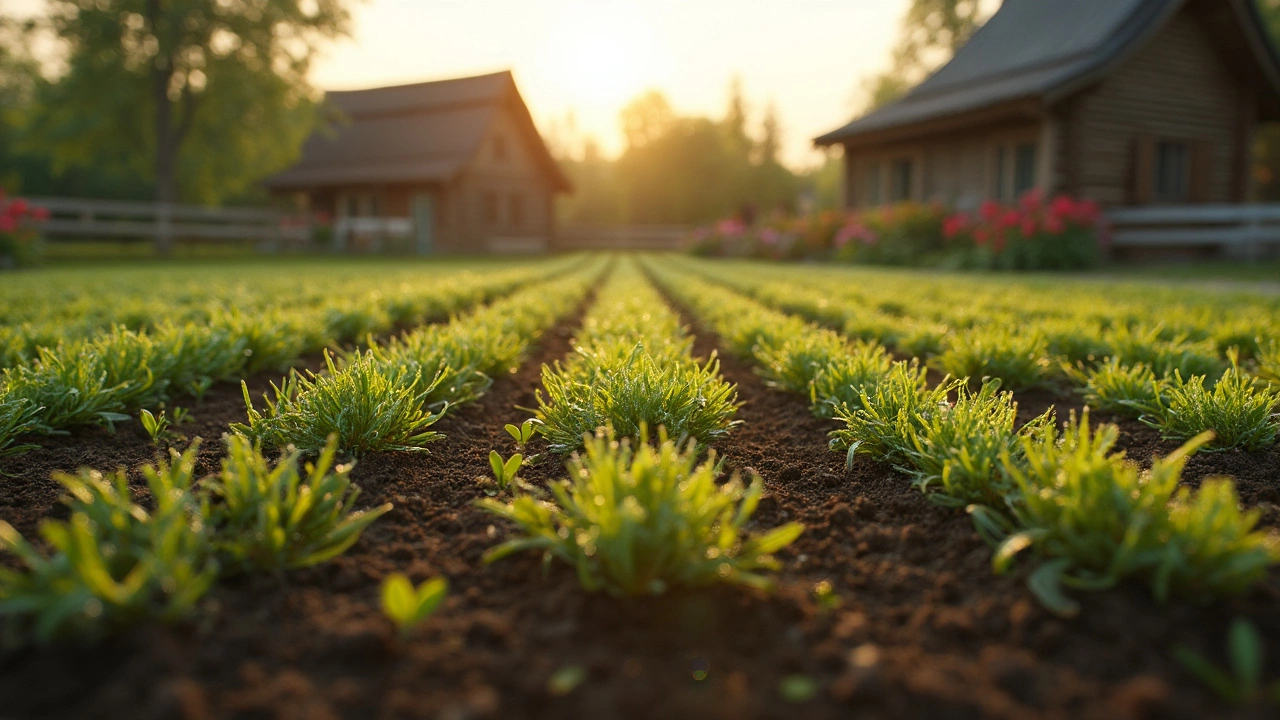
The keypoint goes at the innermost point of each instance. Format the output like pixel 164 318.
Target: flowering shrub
pixel 19 233
pixel 1060 234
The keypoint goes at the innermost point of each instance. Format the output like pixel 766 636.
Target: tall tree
pixel 930 34
pixel 1266 152
pixel 735 119
pixel 204 96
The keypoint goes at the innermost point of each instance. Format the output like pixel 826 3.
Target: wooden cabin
pixel 454 166
pixel 1128 102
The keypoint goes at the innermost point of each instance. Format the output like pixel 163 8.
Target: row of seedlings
pixel 1176 385
pixel 639 512
pixel 337 301
pixel 387 397
pixel 100 380
pixel 118 560
pixel 1087 514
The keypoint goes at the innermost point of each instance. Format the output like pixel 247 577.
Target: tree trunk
pixel 166 190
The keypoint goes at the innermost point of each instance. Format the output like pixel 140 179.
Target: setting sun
pixel 602 54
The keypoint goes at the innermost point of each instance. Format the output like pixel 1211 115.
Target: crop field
pixel 598 486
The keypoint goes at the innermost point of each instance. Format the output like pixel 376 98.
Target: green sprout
pixel 524 433
pixel 1240 413
pixel 114 562
pixel 156 426
pixel 1242 684
pixel 504 472
pixel 269 518
pixel 640 519
pixel 407 606
pixel 1092 519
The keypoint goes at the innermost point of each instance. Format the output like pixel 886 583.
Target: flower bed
pixel 19 232
pixel 1034 234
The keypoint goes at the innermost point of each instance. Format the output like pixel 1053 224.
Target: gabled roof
pixel 1040 50
pixel 425 132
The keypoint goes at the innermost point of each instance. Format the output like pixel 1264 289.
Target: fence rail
pixel 84 218
pixel 1239 231
pixel 622 237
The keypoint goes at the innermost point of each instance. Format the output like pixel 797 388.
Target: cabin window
pixel 998 176
pixel 1024 168
pixel 873 193
pixel 1173 172
pixel 900 182
pixel 500 148
pixel 515 210
pixel 489 208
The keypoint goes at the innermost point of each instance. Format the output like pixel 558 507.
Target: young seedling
pixel 1242 684
pixel 181 415
pixel 636 520
pixel 407 606
pixel 504 472
pixel 271 518
pixel 156 426
pixel 524 433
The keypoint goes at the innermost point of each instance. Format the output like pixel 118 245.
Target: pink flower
pixel 845 234
pixel 769 236
pixel 1010 219
pixel 731 227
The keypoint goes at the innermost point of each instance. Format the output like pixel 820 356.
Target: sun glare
pixel 603 52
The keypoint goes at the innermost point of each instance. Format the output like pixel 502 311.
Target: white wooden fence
pixel 1237 231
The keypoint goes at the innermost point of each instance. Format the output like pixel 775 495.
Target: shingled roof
pixel 425 132
pixel 1038 50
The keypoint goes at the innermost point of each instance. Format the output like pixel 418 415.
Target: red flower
pixel 1054 225
pixel 8 223
pixel 1032 199
pixel 18 208
pixel 1010 219
pixel 1062 206
pixel 980 236
pixel 40 214
pixel 954 225
pixel 1028 226
pixel 997 241
pixel 990 210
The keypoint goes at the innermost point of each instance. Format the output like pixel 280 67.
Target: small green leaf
pixel 1246 655
pixel 566 679
pixel 398 599
pixel 1046 584
pixel 798 688
pixel 495 462
pixel 515 432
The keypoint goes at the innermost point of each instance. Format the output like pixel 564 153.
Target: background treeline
pixel 686 169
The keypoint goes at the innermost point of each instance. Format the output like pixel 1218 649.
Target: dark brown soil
pixel 923 628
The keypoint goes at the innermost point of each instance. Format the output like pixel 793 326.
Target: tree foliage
pixel 1266 157
pixel 680 169
pixel 197 98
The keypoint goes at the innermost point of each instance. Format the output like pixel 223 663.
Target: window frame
pixel 1161 191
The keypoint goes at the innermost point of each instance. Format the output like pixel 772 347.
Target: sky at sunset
pixel 592 56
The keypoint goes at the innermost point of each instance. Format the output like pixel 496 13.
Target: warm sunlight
pixel 601 54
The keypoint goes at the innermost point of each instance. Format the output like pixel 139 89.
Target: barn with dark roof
pixel 1129 102
pixel 448 166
